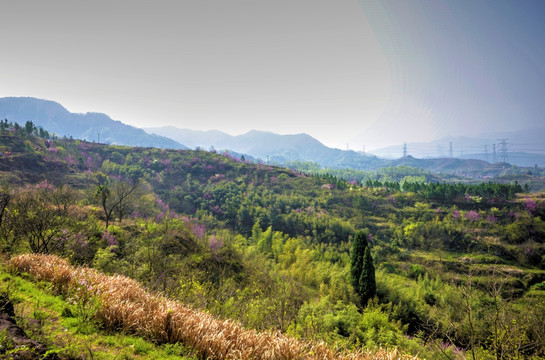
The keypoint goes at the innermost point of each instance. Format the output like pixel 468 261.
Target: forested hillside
pixel 435 270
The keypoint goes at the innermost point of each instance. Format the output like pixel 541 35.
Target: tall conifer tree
pixel 362 270
pixel 356 264
pixel 367 287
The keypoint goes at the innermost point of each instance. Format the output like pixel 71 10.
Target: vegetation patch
pixel 127 307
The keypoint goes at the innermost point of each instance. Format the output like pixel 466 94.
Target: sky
pixel 356 73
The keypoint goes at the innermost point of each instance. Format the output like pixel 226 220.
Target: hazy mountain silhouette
pixel 266 146
pixel 283 148
pixel 272 147
pixel 53 117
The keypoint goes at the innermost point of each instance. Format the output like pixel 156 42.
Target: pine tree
pixel 367 286
pixel 356 264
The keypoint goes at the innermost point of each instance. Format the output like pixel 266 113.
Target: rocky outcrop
pixel 14 342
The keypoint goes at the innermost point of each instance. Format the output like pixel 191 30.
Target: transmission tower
pixel 404 149
pixel 450 149
pixel 486 152
pixel 494 159
pixel 503 149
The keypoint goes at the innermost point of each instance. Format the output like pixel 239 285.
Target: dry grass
pixel 126 306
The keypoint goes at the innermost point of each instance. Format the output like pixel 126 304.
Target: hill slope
pixel 125 304
pixel 66 330
pixel 270 247
pixel 54 117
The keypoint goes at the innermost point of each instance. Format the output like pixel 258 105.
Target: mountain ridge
pixel 282 149
pixel 261 145
pixel 273 147
pixel 90 126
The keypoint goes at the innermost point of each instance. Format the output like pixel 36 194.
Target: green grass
pixel 51 320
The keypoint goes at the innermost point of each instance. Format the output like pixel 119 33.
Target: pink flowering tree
pixel 530 205
pixel 456 215
pixel 492 219
pixel 110 240
pixel 215 243
pixel 472 216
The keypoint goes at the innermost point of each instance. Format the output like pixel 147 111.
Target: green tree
pixel 29 128
pixel 265 241
pixel 367 285
pixel 362 270
pixel 359 245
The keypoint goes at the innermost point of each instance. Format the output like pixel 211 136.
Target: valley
pixel 459 265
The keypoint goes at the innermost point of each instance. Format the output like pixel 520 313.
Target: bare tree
pixel 487 317
pixel 516 333
pixel 115 196
pixel 7 240
pixel 37 218
pixel 63 197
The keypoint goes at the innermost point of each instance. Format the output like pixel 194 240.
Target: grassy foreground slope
pixel 119 304
pixel 67 329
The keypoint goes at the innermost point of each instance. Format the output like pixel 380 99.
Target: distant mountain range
pixel 261 145
pixel 272 147
pixel 55 118
pixel 281 149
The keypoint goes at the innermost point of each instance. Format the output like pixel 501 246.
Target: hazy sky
pixel 364 72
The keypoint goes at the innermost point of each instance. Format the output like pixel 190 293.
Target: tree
pixel 265 241
pixel 30 128
pixel 367 286
pixel 114 196
pixel 362 270
pixel 7 226
pixel 359 245
pixel 5 197
pixel 124 196
pixel 37 218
